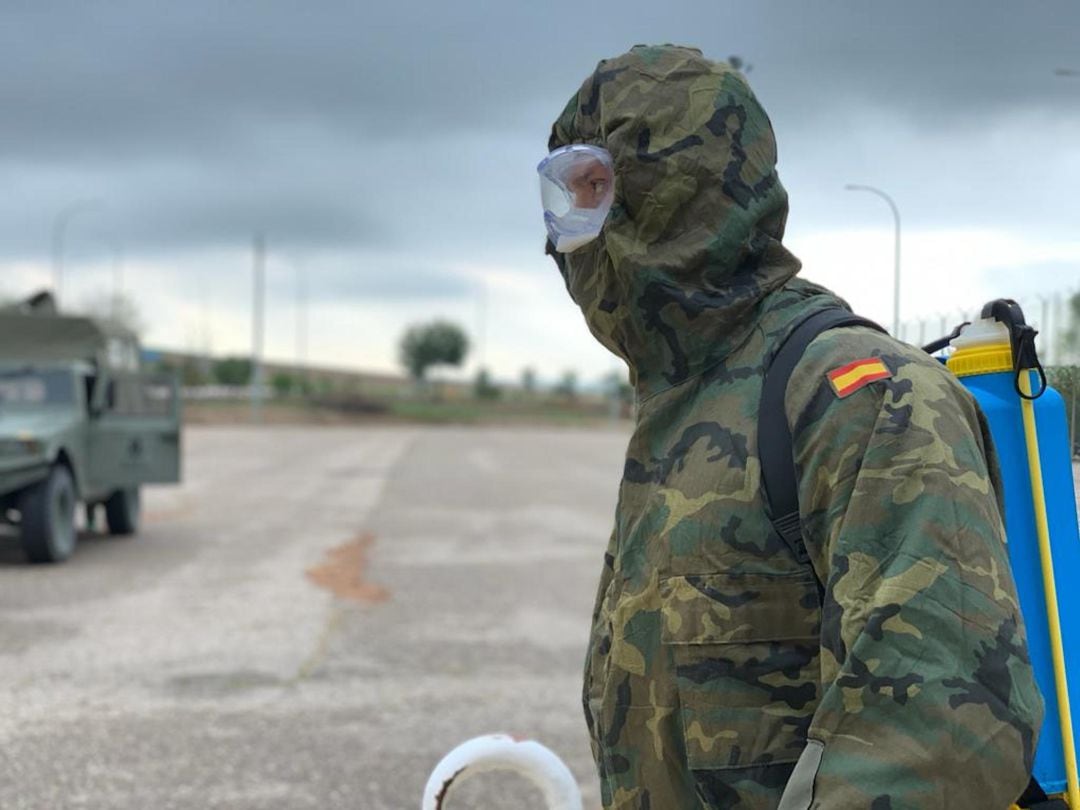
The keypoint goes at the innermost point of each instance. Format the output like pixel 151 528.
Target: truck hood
pixel 42 424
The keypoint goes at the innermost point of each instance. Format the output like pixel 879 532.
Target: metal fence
pixel 1050 313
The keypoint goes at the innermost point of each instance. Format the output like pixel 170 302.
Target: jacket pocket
pixel 745 649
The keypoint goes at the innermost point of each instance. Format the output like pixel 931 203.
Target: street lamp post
pixel 60 225
pixel 896 250
pixel 258 308
pixel 113 244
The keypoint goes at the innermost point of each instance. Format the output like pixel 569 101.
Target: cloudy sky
pixel 388 152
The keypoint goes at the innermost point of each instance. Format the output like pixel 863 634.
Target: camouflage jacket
pixel 889 673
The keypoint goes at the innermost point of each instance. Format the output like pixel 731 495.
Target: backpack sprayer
pixel 996 361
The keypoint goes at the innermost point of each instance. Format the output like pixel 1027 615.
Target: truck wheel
pixel 122 511
pixel 48 517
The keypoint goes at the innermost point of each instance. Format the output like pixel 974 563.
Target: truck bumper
pixel 14 478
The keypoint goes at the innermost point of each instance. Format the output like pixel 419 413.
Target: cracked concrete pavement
pixel 198 666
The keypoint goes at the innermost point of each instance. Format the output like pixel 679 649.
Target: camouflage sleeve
pixel 928 699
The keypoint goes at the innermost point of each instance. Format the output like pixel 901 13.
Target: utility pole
pixel 206 341
pixel 257 328
pixel 301 323
pixel 112 243
pixel 896 249
pixel 481 348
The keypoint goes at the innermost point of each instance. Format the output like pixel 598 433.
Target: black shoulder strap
pixel 776 451
pixel 775 447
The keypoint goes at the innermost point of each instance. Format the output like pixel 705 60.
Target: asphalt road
pixel 199 665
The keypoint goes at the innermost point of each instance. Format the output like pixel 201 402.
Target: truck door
pixel 134 432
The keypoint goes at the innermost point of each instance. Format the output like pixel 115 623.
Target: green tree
pixel 484 387
pixel 1066 378
pixel 282 384
pixel 424 346
pixel 304 386
pixel 1071 338
pixel 567 385
pixel 233 371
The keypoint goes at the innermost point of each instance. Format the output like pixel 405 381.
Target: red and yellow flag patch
pixel 848 379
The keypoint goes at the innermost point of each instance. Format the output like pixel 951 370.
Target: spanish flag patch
pixel 848 379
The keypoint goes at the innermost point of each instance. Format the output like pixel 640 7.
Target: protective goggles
pixel 577 186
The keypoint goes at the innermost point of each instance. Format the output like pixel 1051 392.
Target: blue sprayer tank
pixel 984 363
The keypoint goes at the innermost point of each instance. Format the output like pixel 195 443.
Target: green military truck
pixel 79 422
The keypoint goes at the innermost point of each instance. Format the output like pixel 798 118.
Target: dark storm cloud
pixel 130 80
pixel 363 278
pixel 356 126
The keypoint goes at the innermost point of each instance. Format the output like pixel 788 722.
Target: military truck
pixel 80 422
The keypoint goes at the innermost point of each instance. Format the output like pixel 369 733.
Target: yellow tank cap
pixel 971 360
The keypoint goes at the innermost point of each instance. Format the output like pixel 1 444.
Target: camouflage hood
pixel 693 241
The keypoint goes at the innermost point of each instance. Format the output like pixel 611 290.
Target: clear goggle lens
pixel 577 187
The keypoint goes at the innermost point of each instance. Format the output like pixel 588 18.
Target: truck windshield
pixel 36 387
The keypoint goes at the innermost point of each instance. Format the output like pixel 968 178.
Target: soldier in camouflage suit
pixel 715 669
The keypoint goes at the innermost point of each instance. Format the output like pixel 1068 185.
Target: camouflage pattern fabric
pixel 715 655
